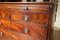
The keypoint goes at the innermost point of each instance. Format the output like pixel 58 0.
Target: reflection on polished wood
pixel 16 31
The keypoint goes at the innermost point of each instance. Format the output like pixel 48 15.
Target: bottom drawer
pixel 22 31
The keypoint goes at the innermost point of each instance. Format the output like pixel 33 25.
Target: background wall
pixel 57 23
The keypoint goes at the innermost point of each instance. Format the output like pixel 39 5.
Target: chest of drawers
pixel 25 21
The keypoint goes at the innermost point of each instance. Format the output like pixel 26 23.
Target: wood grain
pixel 12 22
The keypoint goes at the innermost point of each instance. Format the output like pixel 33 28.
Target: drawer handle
pixel 26 30
pixel 26 18
pixel 25 8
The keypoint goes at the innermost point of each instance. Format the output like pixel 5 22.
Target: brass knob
pixel 25 8
pixel 26 30
pixel 26 17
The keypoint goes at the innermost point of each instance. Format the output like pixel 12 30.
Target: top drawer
pixel 29 7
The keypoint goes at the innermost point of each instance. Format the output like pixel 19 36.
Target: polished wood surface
pixel 22 21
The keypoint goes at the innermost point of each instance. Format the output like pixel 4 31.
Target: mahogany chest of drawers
pixel 25 21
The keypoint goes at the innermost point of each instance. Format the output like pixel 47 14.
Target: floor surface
pixel 56 35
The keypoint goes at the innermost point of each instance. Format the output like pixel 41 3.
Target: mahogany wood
pixel 14 27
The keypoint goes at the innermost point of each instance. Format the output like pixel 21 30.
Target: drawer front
pixel 13 30
pixel 27 7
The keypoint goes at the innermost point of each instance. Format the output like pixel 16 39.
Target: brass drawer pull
pixel 26 18
pixel 26 30
pixel 25 8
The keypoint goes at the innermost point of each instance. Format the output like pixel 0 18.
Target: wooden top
pixel 27 2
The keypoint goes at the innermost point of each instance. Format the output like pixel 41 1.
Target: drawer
pixel 31 7
pixel 39 18
pixel 23 31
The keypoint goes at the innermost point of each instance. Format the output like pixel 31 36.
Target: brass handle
pixel 26 30
pixel 25 8
pixel 26 18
